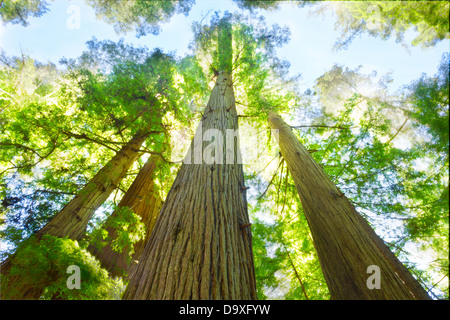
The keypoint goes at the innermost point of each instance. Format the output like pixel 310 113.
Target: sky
pixel 64 30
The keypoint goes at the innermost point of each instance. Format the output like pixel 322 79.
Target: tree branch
pixel 85 137
pixel 321 126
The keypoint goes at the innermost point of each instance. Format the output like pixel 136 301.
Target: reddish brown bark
pixel 143 199
pixel 345 243
pixel 201 246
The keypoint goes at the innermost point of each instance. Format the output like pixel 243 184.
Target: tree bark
pixel 72 220
pixel 345 243
pixel 143 199
pixel 201 245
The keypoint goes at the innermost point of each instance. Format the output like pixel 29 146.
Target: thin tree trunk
pixel 345 243
pixel 143 199
pixel 72 220
pixel 201 245
pixel 296 274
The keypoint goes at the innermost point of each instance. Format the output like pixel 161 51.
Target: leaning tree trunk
pixel 347 246
pixel 201 245
pixel 72 220
pixel 143 199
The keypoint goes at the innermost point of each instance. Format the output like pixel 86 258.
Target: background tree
pixel 117 123
pixel 143 16
pixel 339 232
pixel 377 18
pixel 391 18
pixel 18 12
pixel 119 244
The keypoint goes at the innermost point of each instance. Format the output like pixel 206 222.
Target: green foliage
pixel 429 98
pixel 143 16
pixel 44 263
pixel 266 265
pixel 52 123
pixel 58 127
pixel 430 20
pixel 260 79
pixel 124 87
pixel 24 210
pixel 25 100
pixel 268 4
pixel 18 11
pixel 121 231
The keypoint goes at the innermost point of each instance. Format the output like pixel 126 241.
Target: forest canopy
pixel 96 169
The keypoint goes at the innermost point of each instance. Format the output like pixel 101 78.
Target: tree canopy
pixel 18 12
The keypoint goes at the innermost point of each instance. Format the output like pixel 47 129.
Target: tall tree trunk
pixel 72 220
pixel 201 245
pixel 143 199
pixel 346 245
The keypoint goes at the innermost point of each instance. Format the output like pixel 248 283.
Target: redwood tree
pixel 349 250
pixel 201 246
pixel 143 200
pixel 72 220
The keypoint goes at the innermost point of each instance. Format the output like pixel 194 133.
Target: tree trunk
pixel 143 199
pixel 347 246
pixel 72 220
pixel 201 245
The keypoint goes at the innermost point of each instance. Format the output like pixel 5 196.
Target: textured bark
pixel 201 245
pixel 72 220
pixel 345 243
pixel 144 200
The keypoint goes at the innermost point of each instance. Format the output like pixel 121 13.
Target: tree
pixel 72 220
pixel 201 244
pixel 347 247
pixel 429 101
pixel 144 16
pixel 58 128
pixel 17 12
pixel 267 5
pixel 378 19
pixel 387 18
pixel 130 225
pixel 368 145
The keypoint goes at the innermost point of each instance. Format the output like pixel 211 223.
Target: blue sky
pixel 309 51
